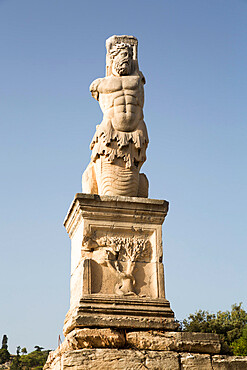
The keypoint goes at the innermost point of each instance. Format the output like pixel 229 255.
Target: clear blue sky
pixel 194 57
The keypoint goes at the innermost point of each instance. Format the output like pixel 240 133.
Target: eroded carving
pixel 120 142
pixel 119 250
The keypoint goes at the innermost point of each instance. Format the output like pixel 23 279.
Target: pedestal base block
pixel 174 341
pixel 114 359
pixel 123 313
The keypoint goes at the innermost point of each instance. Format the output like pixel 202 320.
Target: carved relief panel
pixel 122 262
pixel 116 248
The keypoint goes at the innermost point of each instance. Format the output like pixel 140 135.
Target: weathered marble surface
pixel 174 341
pixel 120 141
pixel 195 361
pixel 141 340
pixel 116 263
pixel 119 359
pixel 129 359
pixel 223 362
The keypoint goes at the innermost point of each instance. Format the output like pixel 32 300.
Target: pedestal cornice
pixel 112 208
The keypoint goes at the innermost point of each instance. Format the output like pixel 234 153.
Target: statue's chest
pixel 115 84
pixel 130 82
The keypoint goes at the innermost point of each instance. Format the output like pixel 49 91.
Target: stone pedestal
pixel 119 317
pixel 117 274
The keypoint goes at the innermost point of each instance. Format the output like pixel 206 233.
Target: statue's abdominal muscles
pixel 125 114
pixel 119 102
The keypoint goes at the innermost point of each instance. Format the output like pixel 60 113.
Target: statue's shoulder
pixel 105 85
pixel 95 84
pixel 143 80
pixel 94 88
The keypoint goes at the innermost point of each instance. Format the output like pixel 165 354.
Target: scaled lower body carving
pixel 105 178
pixel 116 161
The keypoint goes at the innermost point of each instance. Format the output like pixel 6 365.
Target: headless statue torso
pixel 120 142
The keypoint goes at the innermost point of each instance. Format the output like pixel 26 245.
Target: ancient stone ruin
pixel 119 317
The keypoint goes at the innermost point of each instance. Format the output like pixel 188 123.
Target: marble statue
pixel 120 141
pixel 119 317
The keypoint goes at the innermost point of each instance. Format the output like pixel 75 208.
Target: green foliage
pixel 18 350
pixel 38 348
pixel 4 355
pixel 34 360
pixel 239 347
pixel 24 351
pixel 15 364
pixel 5 342
pixel 16 361
pixel 230 325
